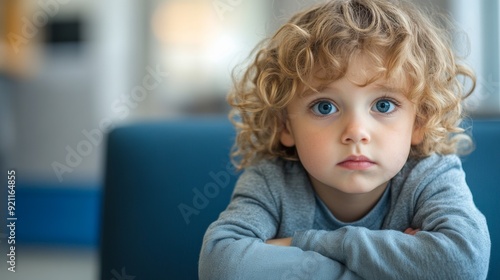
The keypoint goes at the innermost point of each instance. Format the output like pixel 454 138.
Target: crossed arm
pixel 287 241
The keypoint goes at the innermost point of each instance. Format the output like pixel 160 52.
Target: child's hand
pixel 280 241
pixel 411 231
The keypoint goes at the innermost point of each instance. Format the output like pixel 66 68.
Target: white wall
pixel 474 18
pixel 71 90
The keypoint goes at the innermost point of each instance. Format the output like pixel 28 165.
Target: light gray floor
pixel 47 263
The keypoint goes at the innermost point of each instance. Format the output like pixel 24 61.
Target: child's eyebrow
pixel 380 87
pixel 311 91
pixel 389 89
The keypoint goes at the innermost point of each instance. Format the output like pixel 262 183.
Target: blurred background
pixel 71 70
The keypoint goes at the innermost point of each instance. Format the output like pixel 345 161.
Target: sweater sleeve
pixel 453 242
pixel 234 246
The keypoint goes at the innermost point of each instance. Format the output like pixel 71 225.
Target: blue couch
pixel 167 181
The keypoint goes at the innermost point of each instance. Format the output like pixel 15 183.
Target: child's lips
pixel 356 163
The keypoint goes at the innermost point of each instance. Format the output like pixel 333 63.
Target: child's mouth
pixel 356 163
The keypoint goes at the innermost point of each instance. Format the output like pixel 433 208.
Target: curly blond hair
pixel 398 37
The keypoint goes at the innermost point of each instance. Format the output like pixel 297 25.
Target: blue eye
pixel 323 108
pixel 384 106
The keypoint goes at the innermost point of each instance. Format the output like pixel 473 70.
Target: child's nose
pixel 355 131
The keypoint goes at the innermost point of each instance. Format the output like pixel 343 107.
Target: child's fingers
pixel 280 241
pixel 411 231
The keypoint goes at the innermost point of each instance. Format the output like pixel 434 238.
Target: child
pixel 348 133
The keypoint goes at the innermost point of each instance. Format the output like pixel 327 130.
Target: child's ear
pixel 286 136
pixel 417 136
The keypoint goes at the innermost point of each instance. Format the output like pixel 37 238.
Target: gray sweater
pixel 275 199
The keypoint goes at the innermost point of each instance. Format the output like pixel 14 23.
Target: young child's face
pixel 350 138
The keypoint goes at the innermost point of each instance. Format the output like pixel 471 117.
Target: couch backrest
pixel 165 183
pixel 482 169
